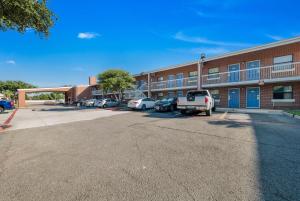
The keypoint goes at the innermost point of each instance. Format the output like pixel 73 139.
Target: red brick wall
pixel 266 96
pixel 265 57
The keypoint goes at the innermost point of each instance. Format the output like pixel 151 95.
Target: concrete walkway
pixel 250 111
pixel 31 118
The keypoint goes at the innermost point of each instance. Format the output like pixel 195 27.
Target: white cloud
pixel 192 39
pixel 274 37
pixel 12 62
pixel 88 35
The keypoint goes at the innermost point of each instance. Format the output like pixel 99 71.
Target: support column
pixel 21 99
pixel 199 84
pixel 149 85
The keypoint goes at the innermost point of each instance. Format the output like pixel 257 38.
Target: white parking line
pixel 223 115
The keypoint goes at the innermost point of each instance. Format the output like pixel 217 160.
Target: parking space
pixel 152 156
pixel 39 116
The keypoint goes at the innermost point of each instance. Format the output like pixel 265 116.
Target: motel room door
pixel 234 98
pixel 234 73
pixel 253 97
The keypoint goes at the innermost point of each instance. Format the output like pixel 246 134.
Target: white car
pixel 142 104
pixel 89 103
pixel 108 102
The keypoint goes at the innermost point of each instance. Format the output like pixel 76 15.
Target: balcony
pixel 184 83
pixel 97 92
pixel 266 74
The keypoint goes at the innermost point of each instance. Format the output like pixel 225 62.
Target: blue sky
pixel 94 35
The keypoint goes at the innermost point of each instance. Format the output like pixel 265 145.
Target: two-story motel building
pixel 266 76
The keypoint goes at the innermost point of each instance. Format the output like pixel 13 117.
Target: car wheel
pixel 208 112
pixel 144 107
pixel 172 108
pixel 214 109
pixel 104 106
pixel 1 109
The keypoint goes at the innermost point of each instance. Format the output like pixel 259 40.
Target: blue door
pixel 179 80
pixel 253 97
pixel 253 69
pixel 234 73
pixel 171 81
pixel 234 98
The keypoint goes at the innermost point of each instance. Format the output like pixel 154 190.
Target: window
pixel 179 93
pixel 171 94
pixel 215 94
pixel 193 74
pixel 283 92
pixel 213 73
pixel 159 79
pixel 283 63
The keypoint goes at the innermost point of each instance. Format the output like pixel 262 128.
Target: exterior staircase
pixel 135 93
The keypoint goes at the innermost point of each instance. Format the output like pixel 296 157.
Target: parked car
pixel 108 102
pixel 89 102
pixel 142 104
pixel 196 102
pixel 167 104
pixel 6 105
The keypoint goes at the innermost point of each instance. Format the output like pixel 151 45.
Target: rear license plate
pixel 190 107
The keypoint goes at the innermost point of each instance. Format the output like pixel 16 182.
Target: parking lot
pixel 152 156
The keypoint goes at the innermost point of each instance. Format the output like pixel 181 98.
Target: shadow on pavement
pixel 278 154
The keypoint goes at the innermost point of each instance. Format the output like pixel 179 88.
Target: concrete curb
pixel 6 123
pixel 291 115
pixel 249 111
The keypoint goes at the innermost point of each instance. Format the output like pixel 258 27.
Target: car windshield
pixel 197 93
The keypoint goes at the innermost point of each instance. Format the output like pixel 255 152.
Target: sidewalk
pixel 250 111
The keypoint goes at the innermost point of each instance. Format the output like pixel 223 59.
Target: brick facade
pixel 264 55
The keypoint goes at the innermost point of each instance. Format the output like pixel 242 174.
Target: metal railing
pixel 97 92
pixel 175 84
pixel 267 73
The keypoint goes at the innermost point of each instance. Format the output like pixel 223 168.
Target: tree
pixel 115 81
pixel 9 88
pixel 21 15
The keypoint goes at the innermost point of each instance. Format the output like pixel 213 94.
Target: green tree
pixel 115 81
pixel 21 15
pixel 9 88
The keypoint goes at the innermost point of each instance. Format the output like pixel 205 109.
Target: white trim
pixel 41 89
pixel 283 100
pixel 239 97
pixel 175 88
pixel 247 98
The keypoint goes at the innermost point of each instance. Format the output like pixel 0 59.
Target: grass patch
pixel 295 112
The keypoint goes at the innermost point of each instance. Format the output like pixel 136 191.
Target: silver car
pixel 108 102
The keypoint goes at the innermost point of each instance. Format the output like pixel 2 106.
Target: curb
pixel 249 111
pixel 6 123
pixel 291 115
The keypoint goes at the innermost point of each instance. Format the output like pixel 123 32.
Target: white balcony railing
pixel 282 72
pixel 97 92
pixel 190 82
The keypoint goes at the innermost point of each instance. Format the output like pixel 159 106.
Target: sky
pixel 92 36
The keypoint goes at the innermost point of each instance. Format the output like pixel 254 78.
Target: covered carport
pixel 22 93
